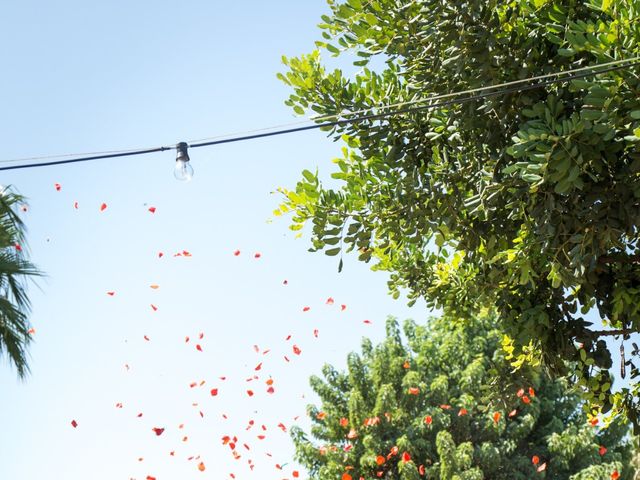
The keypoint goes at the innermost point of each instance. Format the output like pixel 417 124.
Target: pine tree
pixel 425 407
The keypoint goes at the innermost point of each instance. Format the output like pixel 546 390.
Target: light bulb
pixel 183 170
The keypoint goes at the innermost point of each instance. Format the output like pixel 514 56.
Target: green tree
pixel 525 202
pixel 14 270
pixel 423 408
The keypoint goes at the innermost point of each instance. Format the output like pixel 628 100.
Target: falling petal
pixel 57 186
pixel 103 207
pixel 152 209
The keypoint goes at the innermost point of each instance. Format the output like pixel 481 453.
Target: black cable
pixel 86 159
pixel 412 109
pixel 335 123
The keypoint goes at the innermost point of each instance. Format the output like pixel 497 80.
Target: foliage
pixel 525 202
pixel 14 269
pixel 371 414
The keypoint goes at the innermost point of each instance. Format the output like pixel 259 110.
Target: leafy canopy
pixel 424 408
pixel 14 269
pixel 527 202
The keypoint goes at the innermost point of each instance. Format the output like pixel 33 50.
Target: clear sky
pixel 85 76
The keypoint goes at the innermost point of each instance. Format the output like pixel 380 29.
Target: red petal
pixel 74 424
pixel 103 207
pixel 199 348
pixel 158 431
pixel 57 186
pixel 236 253
pixel 297 350
pixel 152 209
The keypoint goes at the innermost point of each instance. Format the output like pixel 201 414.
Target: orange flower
pixel 414 391
pixel 428 420
pixel 496 417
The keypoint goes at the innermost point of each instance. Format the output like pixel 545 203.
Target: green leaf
pixel 309 177
pixel 332 252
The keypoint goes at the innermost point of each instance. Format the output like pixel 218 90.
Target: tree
pixel 423 409
pixel 14 270
pixel 525 202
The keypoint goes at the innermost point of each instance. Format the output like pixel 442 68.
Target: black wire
pixel 335 123
pixel 86 159
pixel 412 109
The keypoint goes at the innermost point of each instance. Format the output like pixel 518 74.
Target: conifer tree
pixel 423 406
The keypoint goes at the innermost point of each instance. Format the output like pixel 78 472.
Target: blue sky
pixel 91 76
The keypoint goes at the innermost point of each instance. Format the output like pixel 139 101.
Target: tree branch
pixel 610 333
pixel 622 258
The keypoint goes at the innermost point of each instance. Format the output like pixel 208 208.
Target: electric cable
pixel 320 124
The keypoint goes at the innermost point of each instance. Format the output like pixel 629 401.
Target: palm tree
pixel 15 270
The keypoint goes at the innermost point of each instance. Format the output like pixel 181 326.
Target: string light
pixel 184 171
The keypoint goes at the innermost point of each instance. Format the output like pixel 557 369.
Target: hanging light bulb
pixel 183 170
